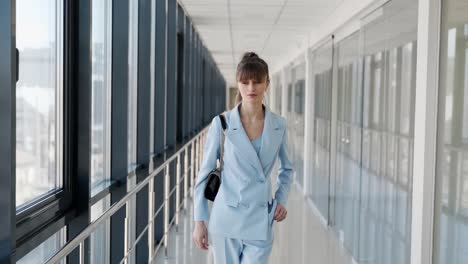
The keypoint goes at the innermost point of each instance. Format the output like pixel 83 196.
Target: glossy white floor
pixel 300 238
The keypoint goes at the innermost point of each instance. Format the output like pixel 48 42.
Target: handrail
pixel 196 145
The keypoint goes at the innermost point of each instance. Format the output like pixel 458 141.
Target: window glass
pixel 101 94
pixel 349 141
pixel 451 200
pixel 322 86
pixel 389 51
pixel 46 249
pixel 39 29
pixel 99 239
pixel 132 83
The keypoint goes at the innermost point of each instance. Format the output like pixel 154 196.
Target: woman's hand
pixel 280 213
pixel 200 235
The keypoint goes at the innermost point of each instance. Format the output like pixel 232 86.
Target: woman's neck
pixel 251 111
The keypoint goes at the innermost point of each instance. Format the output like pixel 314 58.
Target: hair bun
pixel 249 55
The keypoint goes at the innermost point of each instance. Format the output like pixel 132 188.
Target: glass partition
pixel 278 89
pixel 348 142
pixel 362 187
pixel 451 199
pixel 297 125
pixel 322 82
pixel 389 53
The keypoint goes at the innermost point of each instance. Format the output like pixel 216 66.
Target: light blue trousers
pixel 240 251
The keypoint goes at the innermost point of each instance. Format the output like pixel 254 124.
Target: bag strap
pixel 223 121
pixel 223 125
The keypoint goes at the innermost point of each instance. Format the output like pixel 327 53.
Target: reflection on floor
pixel 300 238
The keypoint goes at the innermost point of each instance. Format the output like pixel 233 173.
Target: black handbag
pixel 214 178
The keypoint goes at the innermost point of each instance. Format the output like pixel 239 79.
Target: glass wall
pixel 72 64
pixel 290 108
pixel 101 94
pixel 361 178
pixel 348 142
pixel 451 200
pixel 297 119
pixel 278 91
pixel 322 83
pixel 389 53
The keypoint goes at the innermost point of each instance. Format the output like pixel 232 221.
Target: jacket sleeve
pixel 210 155
pixel 286 171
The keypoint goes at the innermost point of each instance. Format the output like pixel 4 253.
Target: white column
pixel 424 155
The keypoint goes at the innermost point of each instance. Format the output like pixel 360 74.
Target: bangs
pixel 251 71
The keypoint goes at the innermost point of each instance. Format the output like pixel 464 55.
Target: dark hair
pixel 251 67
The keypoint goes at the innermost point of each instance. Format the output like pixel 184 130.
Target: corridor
pixel 300 239
pixel 106 107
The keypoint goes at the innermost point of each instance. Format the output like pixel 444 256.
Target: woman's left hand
pixel 280 213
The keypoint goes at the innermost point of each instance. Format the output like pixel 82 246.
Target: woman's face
pixel 252 91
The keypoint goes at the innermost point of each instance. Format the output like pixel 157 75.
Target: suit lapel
pixel 239 139
pixel 271 138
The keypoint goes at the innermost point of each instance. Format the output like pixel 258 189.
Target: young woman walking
pixel 242 215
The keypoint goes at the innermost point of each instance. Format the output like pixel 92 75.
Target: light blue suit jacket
pixel 240 209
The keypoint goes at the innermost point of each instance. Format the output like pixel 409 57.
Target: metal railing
pixel 196 156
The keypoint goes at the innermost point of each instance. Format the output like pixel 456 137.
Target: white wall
pixel 425 128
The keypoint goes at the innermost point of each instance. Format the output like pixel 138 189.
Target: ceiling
pixel 271 28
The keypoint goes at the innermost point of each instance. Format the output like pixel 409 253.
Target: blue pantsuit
pixel 241 219
pixel 234 250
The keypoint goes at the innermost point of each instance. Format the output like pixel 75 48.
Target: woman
pixel 243 212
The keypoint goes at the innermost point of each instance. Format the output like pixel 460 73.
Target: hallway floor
pixel 300 239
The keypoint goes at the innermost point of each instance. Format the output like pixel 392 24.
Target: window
pixel 99 239
pixel 39 99
pixel 46 249
pixel 132 83
pixel 101 94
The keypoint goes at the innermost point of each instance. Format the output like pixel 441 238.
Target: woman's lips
pixel 251 95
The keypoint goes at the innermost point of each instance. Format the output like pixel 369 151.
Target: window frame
pixel 70 205
pixel 8 76
pixel 59 120
pixel 32 215
pixel 47 197
pixel 43 217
